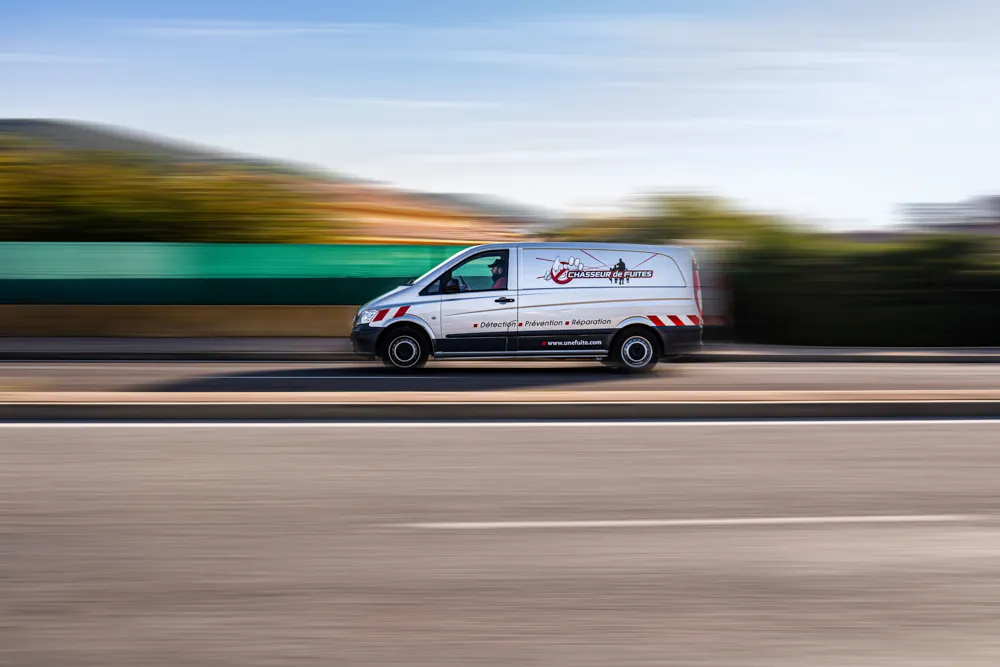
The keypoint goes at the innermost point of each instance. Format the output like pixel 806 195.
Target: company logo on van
pixel 565 271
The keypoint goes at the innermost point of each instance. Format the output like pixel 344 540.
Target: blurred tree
pixel 666 218
pixel 48 195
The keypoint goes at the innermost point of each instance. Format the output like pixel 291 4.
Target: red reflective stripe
pixel 676 320
pixel 402 311
pixel 656 321
pixel 694 319
pixel 381 315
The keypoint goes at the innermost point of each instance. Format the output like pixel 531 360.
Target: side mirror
pixel 451 287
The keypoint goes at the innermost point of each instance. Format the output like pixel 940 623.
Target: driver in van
pixel 498 268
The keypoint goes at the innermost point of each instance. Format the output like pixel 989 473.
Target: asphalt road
pixel 772 545
pixel 471 377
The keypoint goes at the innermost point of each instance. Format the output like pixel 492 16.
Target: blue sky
pixel 831 110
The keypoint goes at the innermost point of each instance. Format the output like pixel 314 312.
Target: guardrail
pixel 207 274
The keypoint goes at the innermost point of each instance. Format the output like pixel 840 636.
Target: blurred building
pixel 980 216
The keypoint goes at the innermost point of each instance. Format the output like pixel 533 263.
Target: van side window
pixel 484 272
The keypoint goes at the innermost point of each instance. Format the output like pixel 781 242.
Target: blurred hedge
pixel 932 292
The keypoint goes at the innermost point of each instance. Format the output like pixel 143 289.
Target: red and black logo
pixel 565 271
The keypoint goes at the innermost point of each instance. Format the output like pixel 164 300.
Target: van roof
pixel 583 244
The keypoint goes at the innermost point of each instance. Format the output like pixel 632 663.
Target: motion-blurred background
pixel 196 196
pixel 832 161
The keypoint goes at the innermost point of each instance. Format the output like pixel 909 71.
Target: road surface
pixel 469 377
pixel 753 544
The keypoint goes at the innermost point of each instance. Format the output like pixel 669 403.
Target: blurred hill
pixel 77 136
pixel 357 210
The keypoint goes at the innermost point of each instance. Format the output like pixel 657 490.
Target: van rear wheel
pixel 405 349
pixel 634 351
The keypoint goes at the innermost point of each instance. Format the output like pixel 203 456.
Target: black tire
pixel 634 351
pixel 404 349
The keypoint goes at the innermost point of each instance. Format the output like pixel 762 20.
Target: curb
pixel 508 411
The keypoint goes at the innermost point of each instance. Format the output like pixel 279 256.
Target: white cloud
pixel 254 28
pixel 521 157
pixel 16 58
pixel 410 104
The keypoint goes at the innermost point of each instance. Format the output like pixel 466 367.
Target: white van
pixel 627 306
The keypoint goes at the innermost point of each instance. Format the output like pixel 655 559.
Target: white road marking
pixel 697 523
pixel 490 424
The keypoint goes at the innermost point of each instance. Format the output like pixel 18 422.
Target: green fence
pixel 208 274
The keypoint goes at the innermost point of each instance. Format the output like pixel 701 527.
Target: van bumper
pixel 679 340
pixel 364 338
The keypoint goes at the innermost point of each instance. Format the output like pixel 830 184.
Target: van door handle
pixel 504 299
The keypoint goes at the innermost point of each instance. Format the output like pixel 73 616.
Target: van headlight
pixel 367 316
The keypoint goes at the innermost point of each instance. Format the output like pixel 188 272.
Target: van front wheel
pixel 404 349
pixel 634 351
